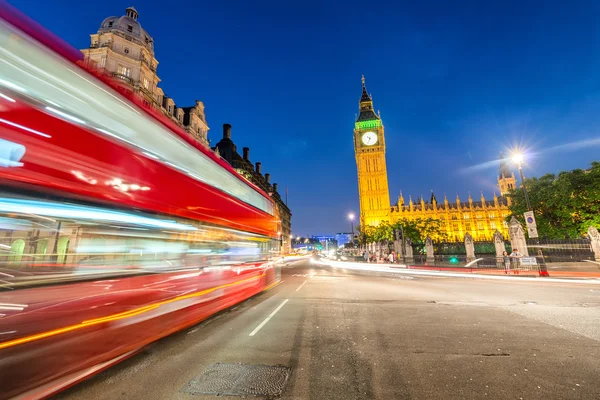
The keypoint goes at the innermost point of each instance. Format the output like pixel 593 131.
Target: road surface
pixel 346 336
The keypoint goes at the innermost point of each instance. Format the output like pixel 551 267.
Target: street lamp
pixel 518 159
pixel 351 218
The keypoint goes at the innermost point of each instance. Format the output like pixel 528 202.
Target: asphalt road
pixel 361 337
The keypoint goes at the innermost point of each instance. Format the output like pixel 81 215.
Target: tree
pixel 565 205
pixel 366 234
pixel 418 229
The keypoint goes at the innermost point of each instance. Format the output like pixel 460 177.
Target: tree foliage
pixel 565 205
pixel 416 230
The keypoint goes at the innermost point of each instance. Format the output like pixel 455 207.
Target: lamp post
pixel 351 218
pixel 518 159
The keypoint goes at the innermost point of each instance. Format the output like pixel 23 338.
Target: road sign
pixel 531 225
pixel 527 261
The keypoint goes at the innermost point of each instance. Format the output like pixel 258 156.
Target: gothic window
pixel 492 215
pixel 493 225
pixel 466 216
pixel 480 225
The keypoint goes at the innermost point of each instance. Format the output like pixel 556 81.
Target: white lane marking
pixel 300 287
pixel 268 318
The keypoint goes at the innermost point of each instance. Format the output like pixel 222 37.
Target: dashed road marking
pixel 300 287
pixel 268 318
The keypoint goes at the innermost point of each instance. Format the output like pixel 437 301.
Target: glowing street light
pixel 351 218
pixel 518 158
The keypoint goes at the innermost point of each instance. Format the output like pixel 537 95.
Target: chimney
pixel 226 131
pixel 258 167
pixel 268 178
pixel 246 153
pixel 274 187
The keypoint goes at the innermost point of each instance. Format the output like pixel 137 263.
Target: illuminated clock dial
pixel 369 138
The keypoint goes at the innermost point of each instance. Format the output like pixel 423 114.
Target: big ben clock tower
pixel 369 147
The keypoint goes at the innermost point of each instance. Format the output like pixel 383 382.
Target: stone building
pixel 478 218
pixel 227 149
pixel 124 50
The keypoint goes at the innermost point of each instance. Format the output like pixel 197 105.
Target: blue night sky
pixel 456 84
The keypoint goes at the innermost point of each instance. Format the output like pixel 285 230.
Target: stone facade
pixel 124 50
pixel 480 219
pixel 227 149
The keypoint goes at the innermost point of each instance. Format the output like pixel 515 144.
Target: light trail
pixel 403 270
pixel 122 315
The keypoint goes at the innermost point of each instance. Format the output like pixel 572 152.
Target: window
pixel 493 225
pixel 480 225
pixel 478 216
pixel 466 216
pixel 126 50
pixel 110 24
pixel 129 28
pixel 170 109
pixel 125 71
pixel 146 83
pixel 102 63
pixel 492 215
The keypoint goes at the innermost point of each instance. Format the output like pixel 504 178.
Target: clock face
pixel 369 138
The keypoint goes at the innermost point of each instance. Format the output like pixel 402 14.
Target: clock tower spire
pixel 369 148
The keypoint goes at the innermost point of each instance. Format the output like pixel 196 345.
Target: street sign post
pixel 531 225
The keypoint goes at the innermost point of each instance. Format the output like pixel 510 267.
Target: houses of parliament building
pixel 479 218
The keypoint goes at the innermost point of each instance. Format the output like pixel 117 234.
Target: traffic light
pixel 453 260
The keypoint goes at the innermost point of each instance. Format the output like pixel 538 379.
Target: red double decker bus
pixel 117 228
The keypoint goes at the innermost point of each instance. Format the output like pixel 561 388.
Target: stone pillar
pixel 499 243
pixel 594 241
pixel 429 248
pixel 408 250
pixel 398 245
pixel 469 247
pixel 517 237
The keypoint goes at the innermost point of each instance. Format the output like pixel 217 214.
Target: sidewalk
pixel 558 271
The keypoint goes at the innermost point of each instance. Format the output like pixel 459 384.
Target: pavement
pixel 350 336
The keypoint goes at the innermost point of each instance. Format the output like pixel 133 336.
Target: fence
pixel 562 250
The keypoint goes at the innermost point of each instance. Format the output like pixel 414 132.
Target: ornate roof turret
pixel 432 199
pixel 365 95
pixel 128 26
pixel 366 110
